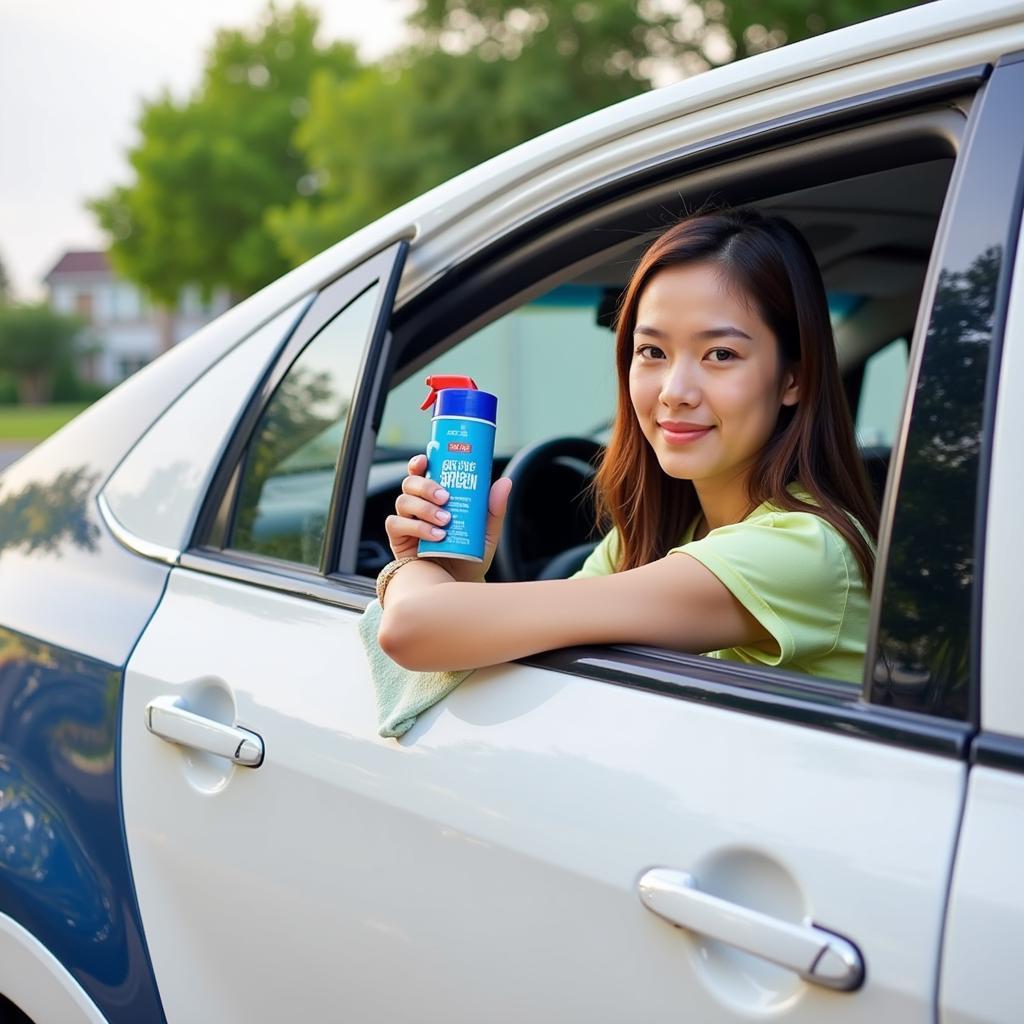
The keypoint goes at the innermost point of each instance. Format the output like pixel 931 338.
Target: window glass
pixel 156 491
pixel 288 475
pixel 550 363
pixel 881 395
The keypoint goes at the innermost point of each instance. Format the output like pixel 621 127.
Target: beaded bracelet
pixel 386 574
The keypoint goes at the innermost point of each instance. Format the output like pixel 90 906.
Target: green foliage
pixel 5 285
pixel 34 341
pixel 449 102
pixel 485 75
pixel 208 169
pixel 754 26
pixel 698 34
pixel 287 147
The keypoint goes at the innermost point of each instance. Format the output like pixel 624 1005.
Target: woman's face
pixel 706 378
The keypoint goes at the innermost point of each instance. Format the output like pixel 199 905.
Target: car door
pixel 600 835
pixel 980 980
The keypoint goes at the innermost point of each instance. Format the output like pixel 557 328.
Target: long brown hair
pixel 813 443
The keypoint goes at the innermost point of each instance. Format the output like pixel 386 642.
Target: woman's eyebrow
pixel 708 335
pixel 721 332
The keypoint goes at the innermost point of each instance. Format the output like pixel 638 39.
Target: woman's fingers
pixel 418 515
pixel 497 500
pixel 401 529
pixel 497 504
pixel 420 508
pixel 423 488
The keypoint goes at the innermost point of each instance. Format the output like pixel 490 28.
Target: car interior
pixel 529 315
pixel 872 234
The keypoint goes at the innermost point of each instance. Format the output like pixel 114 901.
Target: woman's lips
pixel 682 435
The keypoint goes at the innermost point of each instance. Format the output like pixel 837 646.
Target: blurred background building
pixel 122 330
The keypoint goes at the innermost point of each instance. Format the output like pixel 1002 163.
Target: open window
pixel 536 311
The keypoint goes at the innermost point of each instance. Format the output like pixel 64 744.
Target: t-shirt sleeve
pixel 791 571
pixel 601 561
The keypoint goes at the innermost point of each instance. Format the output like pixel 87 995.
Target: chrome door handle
pixel 815 954
pixel 169 719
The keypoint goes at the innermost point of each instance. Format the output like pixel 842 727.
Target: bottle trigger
pixel 440 381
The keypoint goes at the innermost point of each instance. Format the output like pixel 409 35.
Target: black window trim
pixel 784 130
pixel 211 532
pixel 815 703
pixel 975 194
pixel 830 706
pixel 997 750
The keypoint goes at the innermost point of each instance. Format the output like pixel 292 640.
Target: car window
pixel 550 362
pixel 156 491
pixel 289 468
pixel 881 395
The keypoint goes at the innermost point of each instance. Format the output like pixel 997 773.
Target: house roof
pixel 80 261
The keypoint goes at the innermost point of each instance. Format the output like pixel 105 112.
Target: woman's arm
pixel 432 623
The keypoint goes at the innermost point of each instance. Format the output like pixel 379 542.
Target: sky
pixel 73 75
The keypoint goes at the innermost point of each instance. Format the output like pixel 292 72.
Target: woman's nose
pixel 679 386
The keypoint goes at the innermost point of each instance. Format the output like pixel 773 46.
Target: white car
pixel 198 819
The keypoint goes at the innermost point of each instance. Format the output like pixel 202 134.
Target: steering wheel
pixel 547 476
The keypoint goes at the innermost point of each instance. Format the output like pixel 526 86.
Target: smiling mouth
pixel 676 435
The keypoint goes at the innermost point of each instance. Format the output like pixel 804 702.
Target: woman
pixel 743 522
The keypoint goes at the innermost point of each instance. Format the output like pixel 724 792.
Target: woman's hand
pixel 420 513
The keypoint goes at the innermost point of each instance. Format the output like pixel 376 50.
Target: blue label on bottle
pixel 459 460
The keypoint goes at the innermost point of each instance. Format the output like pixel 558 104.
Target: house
pixel 125 331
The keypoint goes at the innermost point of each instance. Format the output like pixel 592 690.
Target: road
pixel 11 451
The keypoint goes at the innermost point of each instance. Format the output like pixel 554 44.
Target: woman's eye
pixel 721 355
pixel 649 352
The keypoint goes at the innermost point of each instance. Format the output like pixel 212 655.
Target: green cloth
pixel 795 573
pixel 401 693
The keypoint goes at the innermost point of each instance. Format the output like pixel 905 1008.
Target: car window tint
pixel 550 362
pixel 156 491
pixel 288 475
pixel 881 395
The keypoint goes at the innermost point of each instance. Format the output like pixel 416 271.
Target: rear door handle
pixel 816 955
pixel 169 719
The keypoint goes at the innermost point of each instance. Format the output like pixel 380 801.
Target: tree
pixel 449 101
pixel 34 342
pixel 288 146
pixel 484 75
pixel 5 285
pixel 208 169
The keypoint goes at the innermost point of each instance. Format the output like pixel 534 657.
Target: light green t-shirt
pixel 795 573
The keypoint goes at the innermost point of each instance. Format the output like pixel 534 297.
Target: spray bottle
pixel 459 460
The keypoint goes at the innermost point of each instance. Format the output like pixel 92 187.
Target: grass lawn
pixel 35 422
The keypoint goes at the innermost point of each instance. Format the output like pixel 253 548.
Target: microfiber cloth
pixel 401 693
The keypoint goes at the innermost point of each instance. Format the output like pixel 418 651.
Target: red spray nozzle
pixel 439 381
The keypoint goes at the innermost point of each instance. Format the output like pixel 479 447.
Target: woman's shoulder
pixel 782 545
pixel 811 519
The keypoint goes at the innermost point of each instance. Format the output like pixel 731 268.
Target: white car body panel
pixel 486 864
pixel 38 983
pixel 505 834
pixel 1002 661
pixel 981 978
